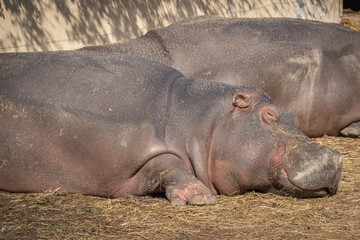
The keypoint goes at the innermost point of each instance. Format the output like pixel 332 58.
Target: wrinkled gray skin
pixel 100 124
pixel 309 69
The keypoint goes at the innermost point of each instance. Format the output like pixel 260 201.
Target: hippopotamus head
pixel 263 151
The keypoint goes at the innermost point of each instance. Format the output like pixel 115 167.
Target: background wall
pixel 48 25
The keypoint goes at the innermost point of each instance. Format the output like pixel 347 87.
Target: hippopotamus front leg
pixel 168 172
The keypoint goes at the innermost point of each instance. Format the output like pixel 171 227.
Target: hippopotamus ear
pixel 241 100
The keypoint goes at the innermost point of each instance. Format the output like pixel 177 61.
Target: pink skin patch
pixel 194 193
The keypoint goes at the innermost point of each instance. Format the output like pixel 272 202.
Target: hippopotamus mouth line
pixel 314 193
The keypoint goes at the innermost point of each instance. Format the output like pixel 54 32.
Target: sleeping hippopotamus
pixel 309 69
pixel 109 125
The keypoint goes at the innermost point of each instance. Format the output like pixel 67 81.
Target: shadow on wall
pixel 43 25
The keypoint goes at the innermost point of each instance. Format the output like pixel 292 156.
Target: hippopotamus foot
pixel 168 172
pixel 193 193
pixel 353 130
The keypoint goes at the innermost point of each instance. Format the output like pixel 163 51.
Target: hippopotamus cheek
pixel 222 178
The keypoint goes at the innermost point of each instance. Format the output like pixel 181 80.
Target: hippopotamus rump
pixel 310 69
pixel 110 125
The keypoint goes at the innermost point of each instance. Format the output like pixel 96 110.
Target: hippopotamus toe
pixel 191 193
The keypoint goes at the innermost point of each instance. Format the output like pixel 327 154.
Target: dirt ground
pixel 55 215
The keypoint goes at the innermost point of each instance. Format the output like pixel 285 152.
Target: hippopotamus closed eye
pixel 310 69
pixel 109 125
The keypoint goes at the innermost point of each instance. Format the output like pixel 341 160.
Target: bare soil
pixel 56 215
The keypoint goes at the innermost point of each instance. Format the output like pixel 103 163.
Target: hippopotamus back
pixel 308 68
pixel 100 94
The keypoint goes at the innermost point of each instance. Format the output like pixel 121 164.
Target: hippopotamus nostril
pixel 270 114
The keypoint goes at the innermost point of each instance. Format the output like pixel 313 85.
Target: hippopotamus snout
pixel 313 170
